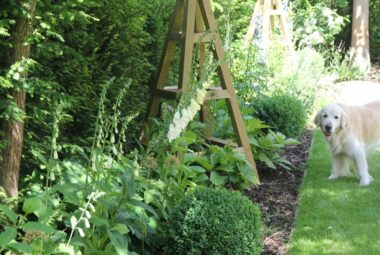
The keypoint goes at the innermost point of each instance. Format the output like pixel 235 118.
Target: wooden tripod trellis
pixel 267 10
pixel 193 22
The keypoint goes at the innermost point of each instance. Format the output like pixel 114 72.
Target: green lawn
pixel 336 217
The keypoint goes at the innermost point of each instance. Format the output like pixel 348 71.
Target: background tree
pixel 14 126
pixel 359 52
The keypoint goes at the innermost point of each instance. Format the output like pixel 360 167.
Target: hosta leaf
pixel 217 179
pixel 201 178
pixel 229 168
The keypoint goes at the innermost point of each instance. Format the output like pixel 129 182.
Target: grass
pixel 339 216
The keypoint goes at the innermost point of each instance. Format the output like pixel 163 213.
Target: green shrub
pixel 210 221
pixel 283 113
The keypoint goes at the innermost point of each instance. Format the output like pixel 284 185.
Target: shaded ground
pixel 277 196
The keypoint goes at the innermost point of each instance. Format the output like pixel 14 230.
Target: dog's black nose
pixel 328 128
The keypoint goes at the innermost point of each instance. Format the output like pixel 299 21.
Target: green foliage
pixel 299 76
pixel 107 200
pixel 230 168
pixel 282 112
pixel 338 64
pixel 267 145
pixel 76 48
pixel 233 18
pixel 316 25
pixel 212 221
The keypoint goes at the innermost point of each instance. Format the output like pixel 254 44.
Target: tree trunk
pixel 359 53
pixel 14 129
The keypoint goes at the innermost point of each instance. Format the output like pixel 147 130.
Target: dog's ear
pixel 345 122
pixel 317 119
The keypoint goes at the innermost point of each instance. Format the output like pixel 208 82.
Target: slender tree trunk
pixel 14 129
pixel 359 53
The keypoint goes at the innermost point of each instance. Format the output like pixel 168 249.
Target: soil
pixel 277 195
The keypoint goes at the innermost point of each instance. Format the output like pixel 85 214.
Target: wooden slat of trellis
pixel 193 22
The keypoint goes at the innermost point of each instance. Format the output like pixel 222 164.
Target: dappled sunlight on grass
pixel 336 216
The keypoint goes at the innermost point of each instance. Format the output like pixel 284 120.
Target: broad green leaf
pixel 191 158
pixel 239 156
pixel 229 168
pixel 97 221
pixel 217 179
pixel 151 195
pixel 23 247
pixel 247 173
pixel 9 213
pixel 201 178
pixel 255 124
pixel 72 192
pixel 253 141
pixel 32 205
pixel 144 206
pixel 197 169
pixel 36 226
pixel 264 158
pixel 37 154
pixel 119 242
pixel 121 228
pixel 7 236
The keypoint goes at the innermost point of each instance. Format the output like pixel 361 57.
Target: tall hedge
pixel 79 46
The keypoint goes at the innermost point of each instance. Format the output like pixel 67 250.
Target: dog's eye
pixel 324 116
pixel 336 117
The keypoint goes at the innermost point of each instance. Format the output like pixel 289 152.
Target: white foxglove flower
pixel 86 222
pixel 81 233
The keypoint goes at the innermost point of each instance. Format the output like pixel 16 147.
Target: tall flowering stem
pixel 191 105
pixel 191 100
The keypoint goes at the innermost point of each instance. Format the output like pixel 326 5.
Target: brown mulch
pixel 277 195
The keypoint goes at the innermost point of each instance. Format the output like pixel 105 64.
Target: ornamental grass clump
pixel 210 221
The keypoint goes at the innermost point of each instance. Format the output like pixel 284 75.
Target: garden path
pixel 277 195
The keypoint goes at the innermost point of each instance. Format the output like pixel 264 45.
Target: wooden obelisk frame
pixel 193 22
pixel 267 10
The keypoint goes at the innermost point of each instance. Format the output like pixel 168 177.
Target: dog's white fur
pixel 350 132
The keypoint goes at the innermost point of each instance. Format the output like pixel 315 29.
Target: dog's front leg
pixel 340 166
pixel 361 163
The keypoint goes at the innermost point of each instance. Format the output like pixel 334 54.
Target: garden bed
pixel 277 195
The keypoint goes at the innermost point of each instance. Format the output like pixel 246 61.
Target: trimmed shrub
pixel 210 221
pixel 283 113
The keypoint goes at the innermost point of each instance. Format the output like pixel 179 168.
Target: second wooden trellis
pixel 193 22
pixel 266 11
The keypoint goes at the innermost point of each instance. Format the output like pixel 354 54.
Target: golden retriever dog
pixel 350 131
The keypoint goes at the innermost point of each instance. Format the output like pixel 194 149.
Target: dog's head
pixel 331 119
